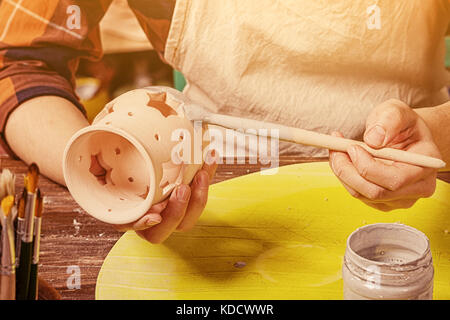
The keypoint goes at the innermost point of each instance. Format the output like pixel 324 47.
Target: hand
pixel 383 184
pixel 180 211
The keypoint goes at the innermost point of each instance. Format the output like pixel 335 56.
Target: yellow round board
pixel 278 236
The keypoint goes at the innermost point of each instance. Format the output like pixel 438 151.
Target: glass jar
pixel 388 261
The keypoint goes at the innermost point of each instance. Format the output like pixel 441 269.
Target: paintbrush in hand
pixel 26 250
pixel 33 285
pixel 311 138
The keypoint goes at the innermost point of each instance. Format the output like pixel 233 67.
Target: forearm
pixel 39 129
pixel 438 120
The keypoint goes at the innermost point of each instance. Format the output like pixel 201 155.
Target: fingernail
pixel 375 136
pixel 182 193
pixel 203 178
pixel 211 157
pixel 152 221
pixel 352 152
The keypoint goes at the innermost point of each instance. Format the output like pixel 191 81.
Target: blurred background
pixel 129 62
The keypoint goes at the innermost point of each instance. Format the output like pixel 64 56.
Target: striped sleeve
pixel 154 17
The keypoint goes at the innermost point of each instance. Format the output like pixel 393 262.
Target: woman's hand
pixel 383 184
pixel 180 211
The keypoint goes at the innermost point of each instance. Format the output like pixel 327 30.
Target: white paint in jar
pixel 388 261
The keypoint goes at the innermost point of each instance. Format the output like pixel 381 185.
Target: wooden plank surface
pixel 72 239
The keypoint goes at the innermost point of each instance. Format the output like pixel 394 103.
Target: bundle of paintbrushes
pixel 20 238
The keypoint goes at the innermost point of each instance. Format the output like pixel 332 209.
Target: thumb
pixel 387 121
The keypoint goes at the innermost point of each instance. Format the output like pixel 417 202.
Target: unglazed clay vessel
pixel 132 155
pixel 388 261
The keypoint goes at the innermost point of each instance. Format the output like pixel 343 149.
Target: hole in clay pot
pixel 80 158
pixel 97 170
pixel 130 179
pixel 117 151
pixel 110 108
pixel 158 101
pixel 157 137
pixel 145 194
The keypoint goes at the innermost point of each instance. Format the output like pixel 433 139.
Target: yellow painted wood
pixel 277 236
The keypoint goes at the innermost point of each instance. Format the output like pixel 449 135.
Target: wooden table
pixel 71 239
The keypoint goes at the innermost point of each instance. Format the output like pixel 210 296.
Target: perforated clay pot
pixel 137 150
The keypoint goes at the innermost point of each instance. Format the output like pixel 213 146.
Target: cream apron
pixel 315 64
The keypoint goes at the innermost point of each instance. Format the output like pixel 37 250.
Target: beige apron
pixel 315 64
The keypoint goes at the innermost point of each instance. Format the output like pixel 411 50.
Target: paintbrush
pixel 33 285
pixel 7 213
pixel 7 287
pixel 20 229
pixel 26 249
pixel 7 183
pixel 8 279
pixel 194 112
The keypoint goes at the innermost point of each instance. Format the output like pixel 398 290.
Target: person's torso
pixel 315 64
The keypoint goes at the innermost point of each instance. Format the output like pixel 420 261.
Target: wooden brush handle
pixel 8 287
pixel 321 140
pixel 33 284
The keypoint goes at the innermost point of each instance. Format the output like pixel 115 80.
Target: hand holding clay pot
pixel 382 184
pixel 178 213
pixel 139 149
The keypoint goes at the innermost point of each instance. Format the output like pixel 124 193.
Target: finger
pixel 151 218
pixel 147 221
pixel 199 193
pixel 353 192
pixel 172 215
pixel 421 189
pixel 350 190
pixel 392 176
pixel 348 175
pixel 197 202
pixel 391 205
pixel 210 164
pixel 387 121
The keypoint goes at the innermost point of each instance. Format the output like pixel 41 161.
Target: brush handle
pixel 8 287
pixel 321 140
pixel 33 285
pixel 23 272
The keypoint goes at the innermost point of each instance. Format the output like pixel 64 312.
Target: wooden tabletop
pixel 72 240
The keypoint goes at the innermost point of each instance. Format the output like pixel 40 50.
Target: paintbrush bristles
pixel 7 204
pixel 7 183
pixel 22 204
pixel 32 178
pixel 39 204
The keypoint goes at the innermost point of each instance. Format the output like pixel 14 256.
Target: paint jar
pixel 137 150
pixel 388 261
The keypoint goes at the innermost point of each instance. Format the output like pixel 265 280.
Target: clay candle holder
pixel 125 162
